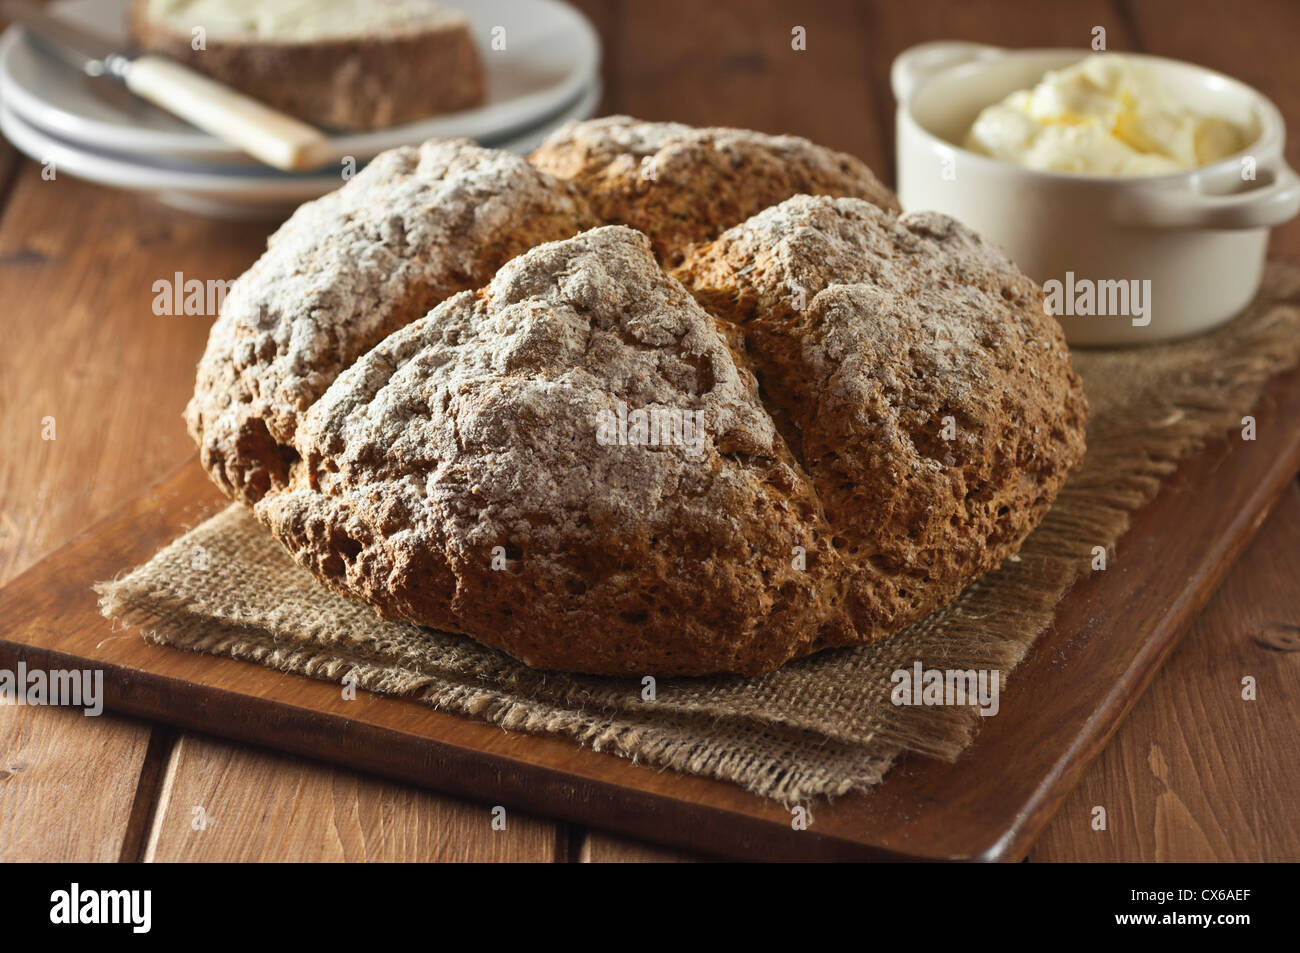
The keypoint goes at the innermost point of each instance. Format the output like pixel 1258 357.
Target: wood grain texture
pixel 600 847
pixel 67 783
pixel 1197 773
pixel 84 347
pixel 225 802
pixel 733 64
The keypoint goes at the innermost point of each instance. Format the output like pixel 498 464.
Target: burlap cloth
pixel 821 726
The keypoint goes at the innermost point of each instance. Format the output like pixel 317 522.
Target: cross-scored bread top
pixel 917 411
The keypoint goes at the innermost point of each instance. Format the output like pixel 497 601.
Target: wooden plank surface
pixel 68 784
pixel 77 289
pixel 83 346
pixel 226 802
pixel 77 263
pixel 733 64
pixel 601 847
pixel 1175 785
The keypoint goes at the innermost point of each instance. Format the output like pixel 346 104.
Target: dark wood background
pixel 1188 777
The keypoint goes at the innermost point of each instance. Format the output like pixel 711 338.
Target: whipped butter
pixel 298 21
pixel 1106 115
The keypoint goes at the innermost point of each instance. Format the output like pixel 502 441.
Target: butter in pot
pixel 1106 115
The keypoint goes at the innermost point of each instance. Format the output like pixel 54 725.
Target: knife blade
pixel 84 50
pixel 275 138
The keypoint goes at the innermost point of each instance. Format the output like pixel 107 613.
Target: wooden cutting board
pixel 1112 632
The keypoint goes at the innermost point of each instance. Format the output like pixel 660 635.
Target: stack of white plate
pixel 94 129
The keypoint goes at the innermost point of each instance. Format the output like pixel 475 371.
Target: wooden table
pixel 1191 775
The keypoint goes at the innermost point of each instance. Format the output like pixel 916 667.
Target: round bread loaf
pixel 813 429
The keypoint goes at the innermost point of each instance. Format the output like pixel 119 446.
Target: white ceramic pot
pixel 1199 237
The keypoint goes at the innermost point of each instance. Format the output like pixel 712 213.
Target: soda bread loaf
pixel 345 64
pixel 429 388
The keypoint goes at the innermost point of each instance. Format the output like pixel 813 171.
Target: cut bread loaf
pixel 852 413
pixel 344 64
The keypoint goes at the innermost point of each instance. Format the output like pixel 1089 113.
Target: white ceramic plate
pixel 216 189
pixel 552 54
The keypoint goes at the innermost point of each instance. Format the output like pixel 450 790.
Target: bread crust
pixel 919 381
pixel 453 477
pixel 682 185
pixel 887 409
pixel 348 84
pixel 415 226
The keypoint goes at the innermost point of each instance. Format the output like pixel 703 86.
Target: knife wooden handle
pixel 269 135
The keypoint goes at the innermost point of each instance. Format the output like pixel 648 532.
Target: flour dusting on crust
pixel 415 226
pixel 881 409
pixel 919 381
pixel 680 184
pixel 475 431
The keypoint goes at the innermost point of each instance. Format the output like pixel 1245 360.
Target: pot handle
pixel 1273 203
pixel 918 63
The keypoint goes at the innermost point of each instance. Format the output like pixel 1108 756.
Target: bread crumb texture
pixel 433 388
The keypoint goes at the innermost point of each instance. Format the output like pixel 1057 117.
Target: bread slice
pixel 342 64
